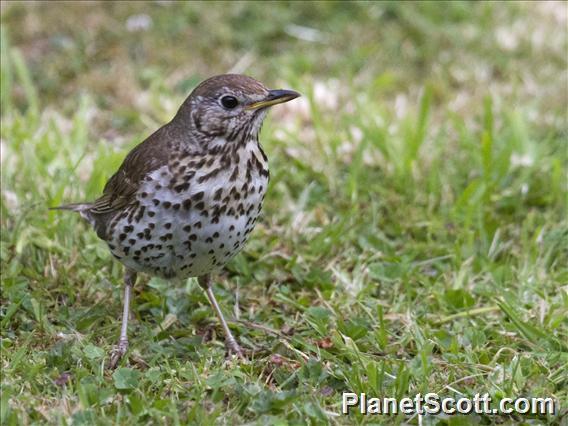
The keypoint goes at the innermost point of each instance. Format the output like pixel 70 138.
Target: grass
pixel 414 236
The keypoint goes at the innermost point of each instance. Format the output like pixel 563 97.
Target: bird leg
pixel 205 283
pixel 122 347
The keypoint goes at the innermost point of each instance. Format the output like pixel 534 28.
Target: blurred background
pixel 121 52
pixel 414 233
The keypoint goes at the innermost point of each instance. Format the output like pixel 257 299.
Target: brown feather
pixel 121 188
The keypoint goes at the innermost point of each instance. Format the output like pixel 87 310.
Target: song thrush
pixel 184 201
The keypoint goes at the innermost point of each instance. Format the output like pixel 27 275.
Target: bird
pixel 185 200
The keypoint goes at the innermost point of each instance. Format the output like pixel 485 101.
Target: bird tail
pixel 84 209
pixel 76 207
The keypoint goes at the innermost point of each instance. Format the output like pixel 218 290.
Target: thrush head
pixel 229 108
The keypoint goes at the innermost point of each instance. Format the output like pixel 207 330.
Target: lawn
pixel 414 236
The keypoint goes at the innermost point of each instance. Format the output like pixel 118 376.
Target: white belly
pixel 192 231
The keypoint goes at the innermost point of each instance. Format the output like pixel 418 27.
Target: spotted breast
pixel 193 214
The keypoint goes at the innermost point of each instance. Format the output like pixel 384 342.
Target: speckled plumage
pixel 185 200
pixel 192 215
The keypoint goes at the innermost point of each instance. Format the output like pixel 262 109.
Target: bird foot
pixel 117 353
pixel 233 348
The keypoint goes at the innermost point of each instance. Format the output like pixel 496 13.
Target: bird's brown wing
pixel 121 189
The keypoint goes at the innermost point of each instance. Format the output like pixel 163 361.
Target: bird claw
pixel 117 353
pixel 233 348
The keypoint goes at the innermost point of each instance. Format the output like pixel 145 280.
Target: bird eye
pixel 229 102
